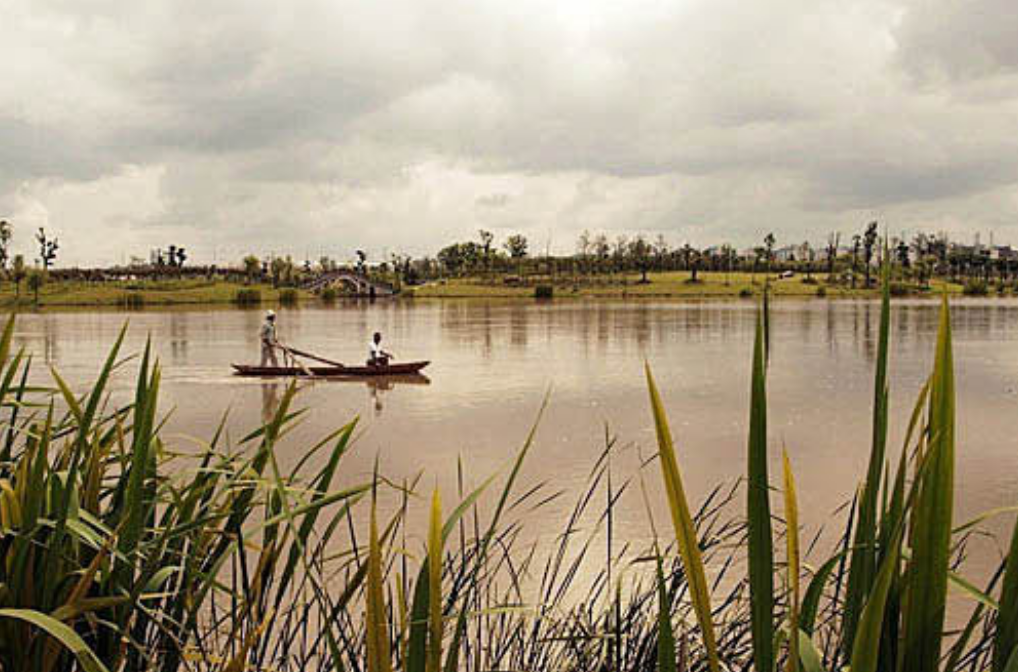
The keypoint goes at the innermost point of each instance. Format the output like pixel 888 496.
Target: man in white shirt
pixel 377 356
pixel 268 338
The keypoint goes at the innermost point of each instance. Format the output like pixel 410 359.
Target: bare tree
pixel 47 249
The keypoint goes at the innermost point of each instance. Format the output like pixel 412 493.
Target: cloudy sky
pixel 316 127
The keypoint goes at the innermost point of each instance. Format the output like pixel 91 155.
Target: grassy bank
pixel 676 285
pixel 673 285
pixel 137 293
pixel 121 552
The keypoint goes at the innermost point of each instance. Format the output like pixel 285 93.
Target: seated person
pixel 377 356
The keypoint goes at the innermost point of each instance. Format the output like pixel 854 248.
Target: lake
pixel 494 362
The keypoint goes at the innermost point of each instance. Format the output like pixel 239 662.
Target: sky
pixel 318 127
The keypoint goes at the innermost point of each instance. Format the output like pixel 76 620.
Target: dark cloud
pixel 324 125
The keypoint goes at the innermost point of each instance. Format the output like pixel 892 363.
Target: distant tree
pixel 601 249
pixel 516 246
pixel 36 280
pixel 856 246
pixel 728 260
pixel 620 250
pixel 362 261
pixel 869 243
pixel 281 270
pixel 487 238
pixel 833 241
pixel 6 233
pixel 661 250
pixel 639 252
pixel 18 272
pixel 903 254
pixel 326 264
pixel 584 245
pixel 47 249
pixel 451 258
pixel 769 241
pixel 252 267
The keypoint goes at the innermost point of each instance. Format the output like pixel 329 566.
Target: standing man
pixel 269 342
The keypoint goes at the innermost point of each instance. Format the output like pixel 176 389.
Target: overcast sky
pixel 316 127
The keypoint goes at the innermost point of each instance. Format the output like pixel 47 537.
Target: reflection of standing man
pixel 269 342
pixel 270 401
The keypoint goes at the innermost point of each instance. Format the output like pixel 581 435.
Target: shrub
pixel 975 288
pixel 247 297
pixel 544 292
pixel 809 281
pixel 329 294
pixel 132 300
pixel 745 293
pixel 288 296
pixel 901 289
pixel 821 292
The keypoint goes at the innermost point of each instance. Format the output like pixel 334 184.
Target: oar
pixel 301 353
pixel 290 351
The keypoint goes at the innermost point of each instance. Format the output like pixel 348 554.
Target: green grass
pixel 137 293
pixel 665 285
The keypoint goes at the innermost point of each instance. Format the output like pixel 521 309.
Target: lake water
pixel 494 362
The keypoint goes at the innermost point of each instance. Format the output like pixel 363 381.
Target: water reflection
pixel 270 400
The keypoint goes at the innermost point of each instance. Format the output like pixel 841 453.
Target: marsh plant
pixel 121 552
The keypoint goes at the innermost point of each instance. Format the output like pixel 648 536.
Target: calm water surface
pixel 494 362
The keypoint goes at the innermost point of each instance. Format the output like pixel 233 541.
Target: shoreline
pixel 672 287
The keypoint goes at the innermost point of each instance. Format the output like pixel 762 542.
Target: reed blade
pixel 761 544
pixel 862 568
pixel 685 531
pixel 926 578
pixel 794 569
pixel 1005 643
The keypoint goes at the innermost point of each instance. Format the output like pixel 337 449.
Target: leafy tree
pixel 516 246
pixel 487 238
pixel 362 261
pixel 869 243
pixel 18 272
pixel 769 241
pixel 6 233
pixel 639 251
pixel 252 267
pixel 903 254
pixel 36 280
pixel 281 269
pixel 47 249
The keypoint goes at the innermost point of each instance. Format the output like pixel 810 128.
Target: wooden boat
pixel 401 369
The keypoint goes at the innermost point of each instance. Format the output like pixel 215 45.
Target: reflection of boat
pixel 403 369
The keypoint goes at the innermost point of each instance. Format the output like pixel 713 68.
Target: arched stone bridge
pixel 360 285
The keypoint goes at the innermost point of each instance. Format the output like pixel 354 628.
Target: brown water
pixel 494 362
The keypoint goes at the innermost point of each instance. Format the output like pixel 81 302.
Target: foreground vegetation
pixel 121 553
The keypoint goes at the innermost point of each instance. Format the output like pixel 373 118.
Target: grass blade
pixel 685 532
pixel 435 585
